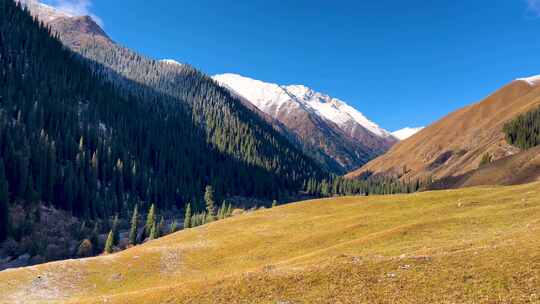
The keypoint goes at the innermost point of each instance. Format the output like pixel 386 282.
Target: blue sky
pixel 402 63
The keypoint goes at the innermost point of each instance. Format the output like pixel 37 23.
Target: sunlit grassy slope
pixel 479 245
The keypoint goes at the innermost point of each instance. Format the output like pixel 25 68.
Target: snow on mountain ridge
pixel 271 98
pixel 406 132
pixel 170 61
pixel 533 80
pixel 268 97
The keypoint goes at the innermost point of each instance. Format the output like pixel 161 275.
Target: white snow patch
pixel 533 80
pixel 271 98
pixel 406 132
pixel 170 61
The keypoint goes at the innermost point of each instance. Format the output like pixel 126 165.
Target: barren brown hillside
pixel 455 145
pixel 520 168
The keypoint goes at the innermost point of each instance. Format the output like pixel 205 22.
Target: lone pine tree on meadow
pixel 160 230
pixel 174 227
pixel 228 210
pixel 187 217
pixel 116 233
pixel 134 226
pixel 153 232
pixel 109 243
pixel 150 220
pixel 222 213
pixel 210 204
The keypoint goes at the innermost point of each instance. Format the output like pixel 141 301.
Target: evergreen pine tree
pixel 134 226
pixel 153 232
pixel 222 211
pixel 150 220
pixel 109 243
pixel 160 231
pixel 274 203
pixel 210 204
pixel 187 217
pixel 173 227
pixel 116 233
pixel 229 210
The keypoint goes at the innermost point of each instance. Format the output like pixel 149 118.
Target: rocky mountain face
pixel 329 129
pixel 453 147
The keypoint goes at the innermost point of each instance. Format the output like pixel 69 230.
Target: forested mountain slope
pixel 72 139
pixel 228 125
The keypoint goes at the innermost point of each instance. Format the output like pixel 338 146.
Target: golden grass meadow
pixel 476 245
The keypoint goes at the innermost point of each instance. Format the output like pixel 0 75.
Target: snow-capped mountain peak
pixel 271 98
pixel 533 80
pixel 327 128
pixel 406 132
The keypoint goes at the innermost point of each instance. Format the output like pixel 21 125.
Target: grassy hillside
pixel 455 144
pixel 520 168
pixel 478 245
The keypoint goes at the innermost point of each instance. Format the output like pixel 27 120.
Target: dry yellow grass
pixel 478 245
pixel 455 144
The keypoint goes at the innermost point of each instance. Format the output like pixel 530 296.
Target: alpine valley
pixel 129 179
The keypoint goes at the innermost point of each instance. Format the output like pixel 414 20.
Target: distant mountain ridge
pixel 324 124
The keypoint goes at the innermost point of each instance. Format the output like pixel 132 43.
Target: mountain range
pixel 105 154
pixel 336 135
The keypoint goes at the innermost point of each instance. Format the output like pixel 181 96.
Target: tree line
pixel 524 130
pixel 153 229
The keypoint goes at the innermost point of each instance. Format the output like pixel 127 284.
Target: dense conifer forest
pixel 524 131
